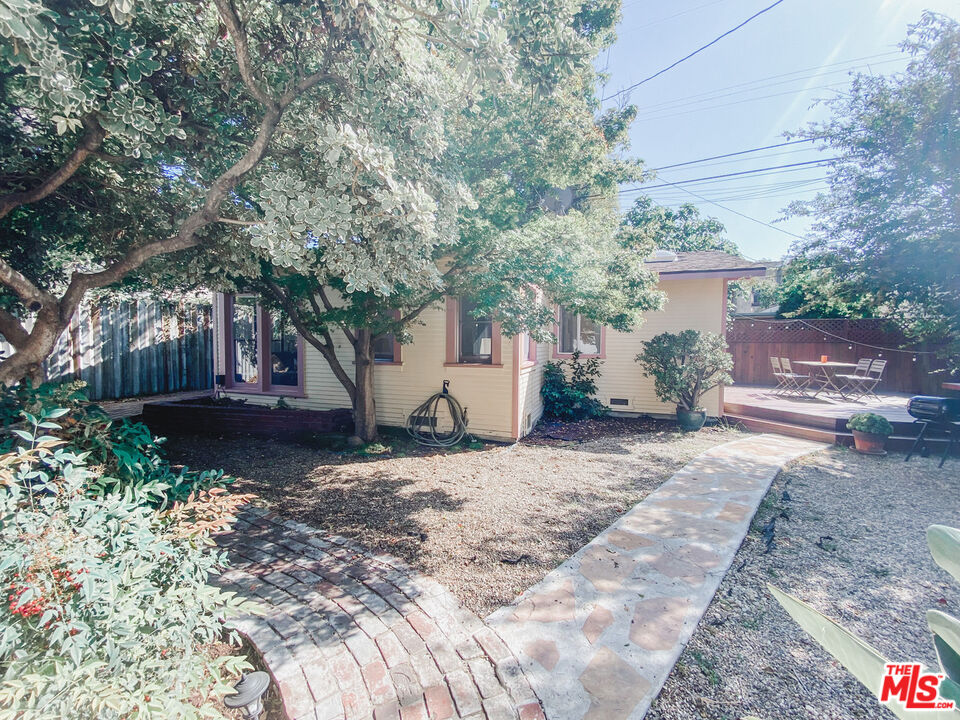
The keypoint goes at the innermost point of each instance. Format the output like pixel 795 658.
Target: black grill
pixel 939 413
pixel 934 409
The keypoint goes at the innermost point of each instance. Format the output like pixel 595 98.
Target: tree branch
pixel 351 336
pixel 91 140
pixel 12 330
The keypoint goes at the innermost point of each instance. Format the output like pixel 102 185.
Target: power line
pixel 726 175
pixel 739 152
pixel 737 212
pixel 733 103
pixel 744 84
pixel 695 52
pixel 671 17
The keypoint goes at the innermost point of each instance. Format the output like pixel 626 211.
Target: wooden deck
pixel 134 406
pixel 823 419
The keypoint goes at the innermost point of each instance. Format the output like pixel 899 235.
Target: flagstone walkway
pixel 348 634
pixel 597 637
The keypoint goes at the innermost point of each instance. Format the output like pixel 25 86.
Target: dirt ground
pixel 849 538
pixel 487 521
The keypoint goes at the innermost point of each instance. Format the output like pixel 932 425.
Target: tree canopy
pixel 682 230
pixel 538 167
pixel 887 231
pixel 134 131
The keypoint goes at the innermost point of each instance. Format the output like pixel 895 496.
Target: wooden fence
pixel 135 348
pixel 754 341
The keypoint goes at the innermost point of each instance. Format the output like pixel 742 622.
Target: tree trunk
pixel 364 407
pixel 27 360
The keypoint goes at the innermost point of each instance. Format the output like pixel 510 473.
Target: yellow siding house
pixel 496 378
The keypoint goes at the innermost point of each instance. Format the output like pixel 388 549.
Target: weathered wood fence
pixel 135 348
pixel 754 341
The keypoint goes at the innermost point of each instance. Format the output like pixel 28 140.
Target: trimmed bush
pixel 686 365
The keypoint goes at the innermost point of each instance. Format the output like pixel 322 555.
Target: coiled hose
pixel 422 423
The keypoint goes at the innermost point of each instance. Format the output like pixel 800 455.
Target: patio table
pixel 825 374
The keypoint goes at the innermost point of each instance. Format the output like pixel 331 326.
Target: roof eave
pixel 726 273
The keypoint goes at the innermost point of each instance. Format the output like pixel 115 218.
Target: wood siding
pixel 486 392
pixel 695 304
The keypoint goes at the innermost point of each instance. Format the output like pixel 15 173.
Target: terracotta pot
pixel 869 443
pixel 690 420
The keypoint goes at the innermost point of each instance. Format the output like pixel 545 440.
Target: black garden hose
pixel 422 423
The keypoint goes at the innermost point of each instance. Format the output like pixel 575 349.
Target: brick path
pixel 348 634
pixel 598 636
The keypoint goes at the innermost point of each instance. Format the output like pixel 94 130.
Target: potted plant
pixel 870 432
pixel 684 366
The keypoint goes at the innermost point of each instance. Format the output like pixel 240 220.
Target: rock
pixel 354 441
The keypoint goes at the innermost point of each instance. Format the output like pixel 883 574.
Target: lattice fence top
pixel 873 331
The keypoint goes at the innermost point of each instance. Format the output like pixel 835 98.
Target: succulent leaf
pixel 944 545
pixel 946 638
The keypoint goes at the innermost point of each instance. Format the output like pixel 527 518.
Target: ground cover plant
pixel 106 608
pixel 846 533
pixel 486 521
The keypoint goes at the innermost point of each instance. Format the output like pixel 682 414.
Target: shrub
pixel 106 601
pixel 686 365
pixel 125 454
pixel 870 423
pixel 568 389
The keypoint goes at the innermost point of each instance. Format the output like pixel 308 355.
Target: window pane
pixel 245 334
pixel 283 351
pixel 476 335
pixel 383 348
pixel 568 331
pixel 589 337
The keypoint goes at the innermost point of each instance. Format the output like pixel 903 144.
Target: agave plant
pixel 867 664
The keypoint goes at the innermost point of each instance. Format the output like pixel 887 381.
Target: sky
pixel 745 92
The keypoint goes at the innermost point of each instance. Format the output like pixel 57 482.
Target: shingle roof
pixel 713 262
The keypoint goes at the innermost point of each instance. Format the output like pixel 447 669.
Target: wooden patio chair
pixel 778 376
pixel 873 378
pixel 853 383
pixel 796 382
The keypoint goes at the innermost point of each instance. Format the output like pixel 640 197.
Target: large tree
pixel 537 166
pixel 887 231
pixel 135 132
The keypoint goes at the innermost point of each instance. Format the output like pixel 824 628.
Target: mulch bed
pixel 488 520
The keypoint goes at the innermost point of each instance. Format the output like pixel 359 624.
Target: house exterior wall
pixel 530 379
pixel 503 402
pixel 485 392
pixel 695 304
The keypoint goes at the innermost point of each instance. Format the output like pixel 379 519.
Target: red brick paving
pixel 350 635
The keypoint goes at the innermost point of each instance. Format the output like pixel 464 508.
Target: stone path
pixel 348 634
pixel 598 636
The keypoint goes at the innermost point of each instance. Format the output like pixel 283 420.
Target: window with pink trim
pixel 577 333
pixel 263 352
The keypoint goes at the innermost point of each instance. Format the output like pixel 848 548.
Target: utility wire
pixel 820 68
pixel 732 154
pixel 737 212
pixel 726 175
pixel 695 52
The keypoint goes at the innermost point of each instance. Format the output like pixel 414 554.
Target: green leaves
pixel 944 543
pixel 686 365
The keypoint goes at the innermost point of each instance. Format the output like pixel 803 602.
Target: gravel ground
pixel 850 540
pixel 486 522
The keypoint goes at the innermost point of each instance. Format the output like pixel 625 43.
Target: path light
pixel 249 696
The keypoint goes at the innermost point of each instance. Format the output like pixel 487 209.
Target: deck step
pixel 894 442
